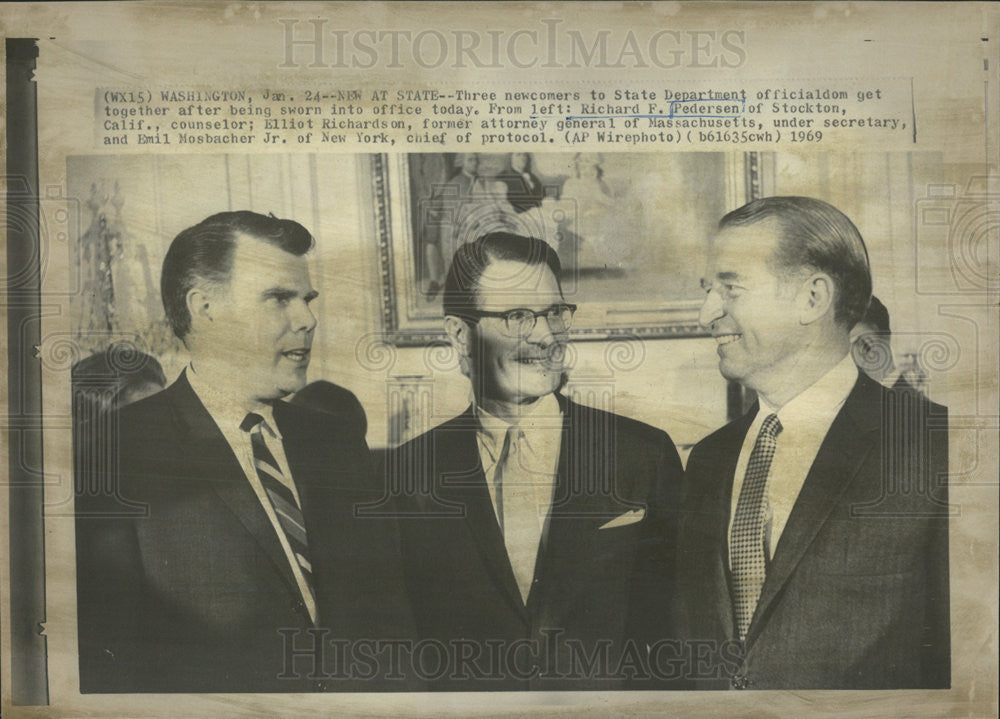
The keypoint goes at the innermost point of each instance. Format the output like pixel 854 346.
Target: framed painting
pixel 629 228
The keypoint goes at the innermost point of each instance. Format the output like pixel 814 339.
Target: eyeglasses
pixel 520 322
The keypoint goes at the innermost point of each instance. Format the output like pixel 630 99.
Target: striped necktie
pixel 278 489
pixel 746 546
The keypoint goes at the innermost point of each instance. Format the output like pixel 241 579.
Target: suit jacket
pixel 332 399
pixel 520 194
pixel 594 588
pixel 182 583
pixel 856 594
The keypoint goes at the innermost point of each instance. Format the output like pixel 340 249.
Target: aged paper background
pixel 931 66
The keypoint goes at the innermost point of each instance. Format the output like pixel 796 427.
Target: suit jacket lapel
pixel 456 452
pixel 850 438
pixel 299 452
pixel 205 443
pixel 558 524
pixel 584 498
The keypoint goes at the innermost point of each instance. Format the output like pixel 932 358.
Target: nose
pixel 541 333
pixel 302 319
pixel 711 309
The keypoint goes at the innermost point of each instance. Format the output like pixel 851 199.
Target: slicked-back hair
pixel 204 254
pixel 815 236
pixel 471 260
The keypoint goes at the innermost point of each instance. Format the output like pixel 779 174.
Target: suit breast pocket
pixel 615 547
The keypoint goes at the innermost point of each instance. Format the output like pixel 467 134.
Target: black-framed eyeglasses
pixel 520 321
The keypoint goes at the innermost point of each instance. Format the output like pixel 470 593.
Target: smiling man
pixel 536 536
pixel 226 531
pixel 813 549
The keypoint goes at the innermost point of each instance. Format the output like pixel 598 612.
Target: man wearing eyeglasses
pixel 535 538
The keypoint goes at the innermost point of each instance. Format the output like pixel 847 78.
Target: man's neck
pixel 507 411
pixel 802 371
pixel 219 378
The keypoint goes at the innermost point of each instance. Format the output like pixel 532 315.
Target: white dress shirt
pixel 805 421
pixel 228 416
pixel 538 450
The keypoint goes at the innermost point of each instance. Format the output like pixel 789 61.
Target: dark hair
pixel 104 380
pixel 877 316
pixel 332 399
pixel 471 260
pixel 205 253
pixel 818 236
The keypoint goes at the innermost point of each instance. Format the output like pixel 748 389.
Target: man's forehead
pixel 247 244
pixel 511 283
pixel 259 265
pixel 249 249
pixel 736 247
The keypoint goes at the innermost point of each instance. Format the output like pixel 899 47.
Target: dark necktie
pixel 747 548
pixel 286 507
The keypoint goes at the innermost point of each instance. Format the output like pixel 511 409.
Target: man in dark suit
pixel 813 549
pixel 222 552
pixel 535 537
pixel 871 347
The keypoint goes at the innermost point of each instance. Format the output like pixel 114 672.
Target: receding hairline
pixel 241 238
pixel 780 234
pixel 476 289
pixel 772 228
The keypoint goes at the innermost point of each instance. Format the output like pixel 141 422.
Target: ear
pixel 816 297
pixel 199 305
pixel 458 332
pixel 460 335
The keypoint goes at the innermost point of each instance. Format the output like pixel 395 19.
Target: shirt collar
pixel 493 430
pixel 822 398
pixel 226 412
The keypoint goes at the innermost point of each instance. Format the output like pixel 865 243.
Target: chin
pixel 730 372
pixel 290 386
pixel 545 386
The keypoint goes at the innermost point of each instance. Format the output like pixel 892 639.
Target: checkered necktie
pixel 746 545
pixel 278 489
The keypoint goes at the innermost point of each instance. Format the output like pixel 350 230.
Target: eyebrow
pixel 706 284
pixel 282 293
